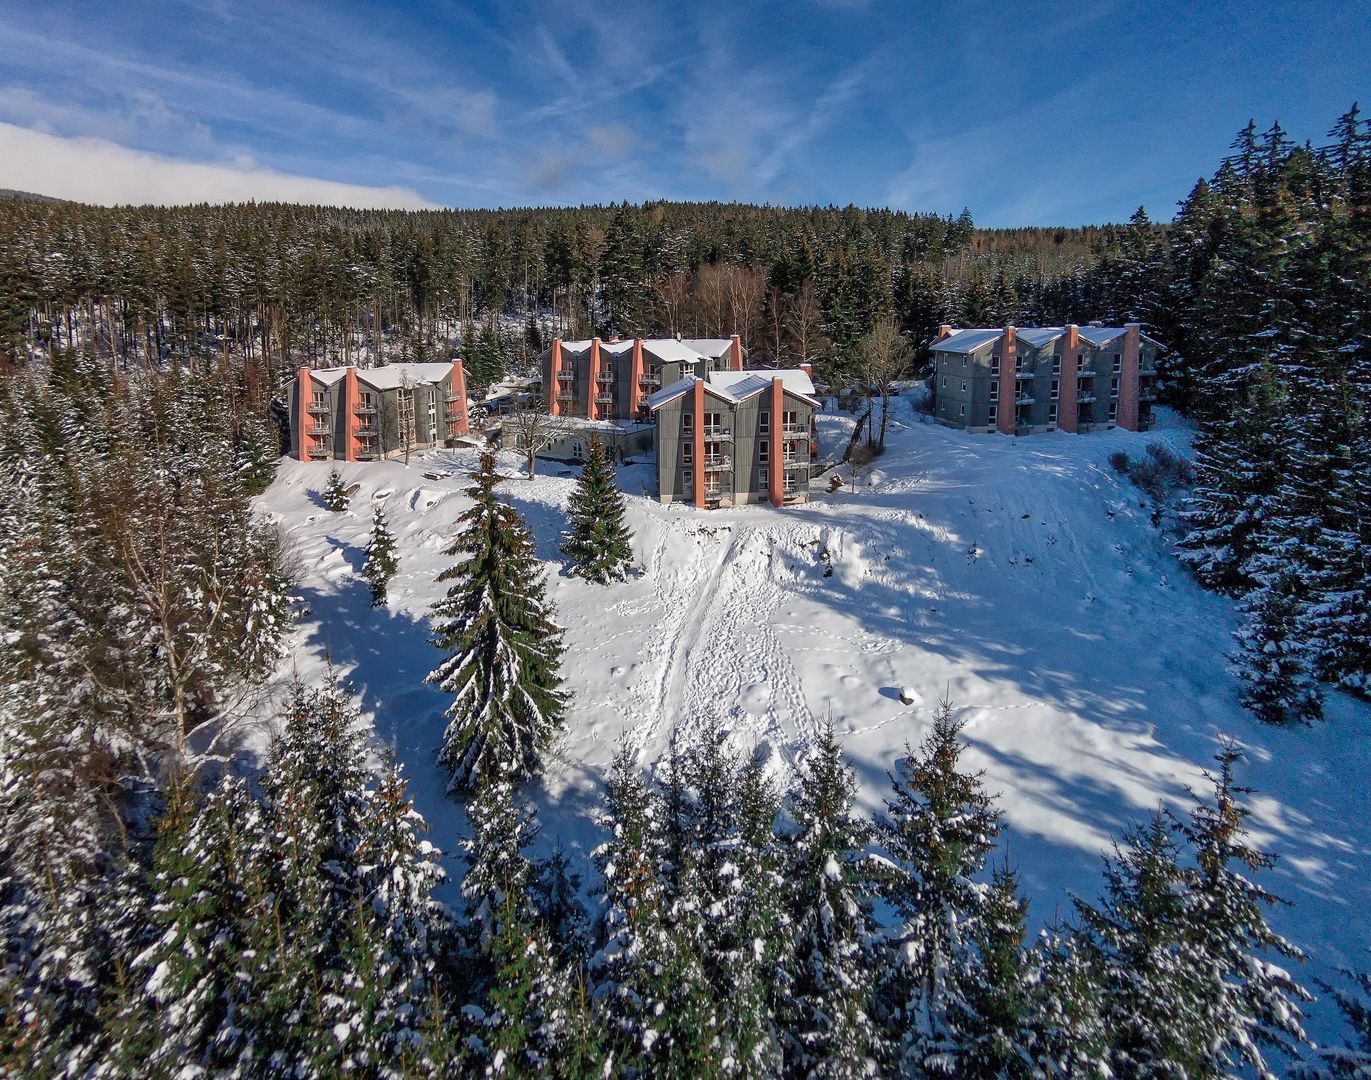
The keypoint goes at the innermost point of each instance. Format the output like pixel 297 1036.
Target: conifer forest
pixel 174 903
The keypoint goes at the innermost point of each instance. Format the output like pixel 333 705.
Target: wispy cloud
pixel 99 171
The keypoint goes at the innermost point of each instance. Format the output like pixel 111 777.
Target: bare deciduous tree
pixel 883 357
pixel 535 429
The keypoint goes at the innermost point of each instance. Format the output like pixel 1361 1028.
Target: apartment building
pixel 732 437
pixel 363 414
pixel 1024 380
pixel 611 379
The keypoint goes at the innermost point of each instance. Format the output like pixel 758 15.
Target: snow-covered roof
pixel 1100 336
pixel 1038 336
pixel 966 341
pixel 617 347
pixel 329 375
pixel 743 384
pixel 393 376
pixel 680 387
pixel 709 346
pixel 671 351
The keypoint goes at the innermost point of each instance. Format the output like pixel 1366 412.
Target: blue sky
pixel 1029 113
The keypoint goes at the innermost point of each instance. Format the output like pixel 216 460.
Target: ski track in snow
pixel 1022 578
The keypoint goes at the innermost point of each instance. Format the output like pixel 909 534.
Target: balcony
pixel 366 455
pixel 1025 373
pixel 566 376
pixel 1084 398
pixel 451 398
pixel 1025 399
pixel 367 431
pixel 1085 373
pixel 318 408
pixel 1147 393
pixel 718 464
pixel 794 431
pixel 365 410
pixel 1146 371
pixel 604 399
pixel 317 451
pixel 605 379
pixel 715 496
pixel 650 380
pixel 565 395
pixel 717 433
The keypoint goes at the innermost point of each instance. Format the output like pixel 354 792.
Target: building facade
pixel 734 437
pixel 1024 380
pixel 364 414
pixel 611 380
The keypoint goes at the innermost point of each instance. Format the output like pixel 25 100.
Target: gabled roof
pixel 740 385
pixel 966 341
pixel 671 351
pixel 670 393
pixel 1038 336
pixel 1099 336
pixel 393 376
pixel 329 375
pixel 709 346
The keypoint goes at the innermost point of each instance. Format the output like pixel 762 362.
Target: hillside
pixel 1022 578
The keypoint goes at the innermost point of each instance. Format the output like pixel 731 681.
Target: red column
pixel 1009 385
pixel 459 387
pixel 554 385
pixel 698 428
pixel 777 470
pixel 303 394
pixel 635 392
pixel 593 409
pixel 735 353
pixel 1128 378
pixel 351 399
pixel 1067 410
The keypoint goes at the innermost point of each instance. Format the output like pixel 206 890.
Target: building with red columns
pixel 1025 380
pixel 364 414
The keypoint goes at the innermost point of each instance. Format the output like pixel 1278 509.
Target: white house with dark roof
pixel 1024 380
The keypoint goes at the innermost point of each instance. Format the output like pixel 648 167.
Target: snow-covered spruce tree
pixel 1067 1034
pixel 1143 969
pixel 828 1017
pixel 336 496
pixel 1247 1004
pixel 498 875
pixel 381 562
pixel 598 543
pixel 1240 461
pixel 940 826
pixel 648 982
pixel 556 890
pixel 504 660
pixel 1351 1060
pixel 1275 660
pixel 257 452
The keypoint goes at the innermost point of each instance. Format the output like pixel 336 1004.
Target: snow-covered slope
pixel 1022 578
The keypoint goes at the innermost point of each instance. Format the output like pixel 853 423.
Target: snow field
pixel 1021 578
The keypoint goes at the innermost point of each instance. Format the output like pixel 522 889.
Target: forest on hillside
pixel 168 910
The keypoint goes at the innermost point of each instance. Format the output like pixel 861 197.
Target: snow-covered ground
pixel 1020 577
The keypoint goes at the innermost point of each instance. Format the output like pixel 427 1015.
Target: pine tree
pixel 381 562
pixel 336 496
pixel 941 825
pixel 1274 660
pixel 505 650
pixel 829 1027
pixel 598 543
pixel 258 451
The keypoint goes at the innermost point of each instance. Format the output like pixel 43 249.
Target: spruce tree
pixel 257 452
pixel 336 496
pixel 1351 1060
pixel 598 543
pixel 381 562
pixel 504 649
pixel 941 825
pixel 830 1030
pixel 1275 660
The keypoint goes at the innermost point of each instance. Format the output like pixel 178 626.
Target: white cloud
pixel 98 171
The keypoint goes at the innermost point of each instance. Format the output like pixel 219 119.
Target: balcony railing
pixel 1147 394
pixel 604 378
pixel 450 397
pixel 366 430
pixel 366 455
pixel 1025 373
pixel 566 376
pixel 565 395
pixel 649 380
pixel 794 431
pixel 717 433
pixel 1085 373
pixel 1025 399
pixel 318 408
pixel 604 399
pixel 365 410
pixel 319 451
pixel 1084 399
pixel 718 464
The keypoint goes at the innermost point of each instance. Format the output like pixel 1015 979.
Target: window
pixel 1113 410
pixel 963 386
pixel 964 359
pixel 1055 392
pixel 687 423
pixel 944 386
pixel 1118 362
pixel 688 478
pixel 764 420
pixel 963 410
pixel 994 389
pixel 1057 364
pixel 687 453
pixel 762 477
pixel 763 451
pixel 992 413
pixel 1114 387
pixel 578 450
pixel 790 418
pixel 1052 414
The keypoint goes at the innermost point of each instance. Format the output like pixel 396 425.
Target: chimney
pixel 807 368
pixel 943 331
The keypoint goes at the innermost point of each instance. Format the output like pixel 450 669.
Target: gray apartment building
pixel 363 414
pixel 734 437
pixel 1024 380
pixel 610 379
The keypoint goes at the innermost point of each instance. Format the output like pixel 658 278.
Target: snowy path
pixel 1020 577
